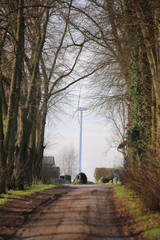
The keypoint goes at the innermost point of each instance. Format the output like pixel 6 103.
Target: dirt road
pixel 77 213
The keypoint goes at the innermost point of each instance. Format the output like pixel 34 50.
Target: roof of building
pixel 48 160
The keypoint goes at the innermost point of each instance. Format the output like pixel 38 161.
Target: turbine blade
pixel 75 113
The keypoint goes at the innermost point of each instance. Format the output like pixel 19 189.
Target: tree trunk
pixel 21 150
pixel 2 115
pixel 25 152
pixel 149 45
pixel 11 129
pixel 37 170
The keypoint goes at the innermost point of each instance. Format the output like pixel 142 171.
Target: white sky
pixel 96 140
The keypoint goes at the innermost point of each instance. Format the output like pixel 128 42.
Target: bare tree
pixel 103 27
pixel 127 34
pixel 68 161
pixel 10 104
pixel 46 63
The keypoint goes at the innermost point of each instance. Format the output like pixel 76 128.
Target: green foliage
pixel 140 100
pixel 152 233
pixel 134 138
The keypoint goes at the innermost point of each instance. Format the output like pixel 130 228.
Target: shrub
pixel 81 178
pixel 144 180
pixel 105 179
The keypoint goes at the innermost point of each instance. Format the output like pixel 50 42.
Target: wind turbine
pixel 81 110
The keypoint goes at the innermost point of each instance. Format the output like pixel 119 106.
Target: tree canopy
pixel 43 52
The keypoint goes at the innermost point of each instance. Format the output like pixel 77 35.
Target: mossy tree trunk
pixel 145 19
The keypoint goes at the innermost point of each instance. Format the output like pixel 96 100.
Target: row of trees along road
pixel 39 59
pixel 125 36
pixel 37 37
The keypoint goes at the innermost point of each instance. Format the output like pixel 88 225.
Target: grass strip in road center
pixel 148 222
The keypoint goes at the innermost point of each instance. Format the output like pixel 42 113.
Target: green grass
pixel 149 222
pixel 152 233
pixel 27 191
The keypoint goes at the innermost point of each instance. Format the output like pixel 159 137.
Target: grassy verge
pixel 149 222
pixel 27 191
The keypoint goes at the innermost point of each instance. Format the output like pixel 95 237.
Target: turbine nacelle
pixel 82 109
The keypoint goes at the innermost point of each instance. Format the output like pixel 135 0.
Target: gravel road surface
pixel 85 212
pixel 76 213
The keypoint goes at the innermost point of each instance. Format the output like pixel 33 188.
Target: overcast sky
pixel 96 140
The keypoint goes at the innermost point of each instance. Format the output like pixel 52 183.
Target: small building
pixel 50 171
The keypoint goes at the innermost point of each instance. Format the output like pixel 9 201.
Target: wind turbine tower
pixel 81 110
